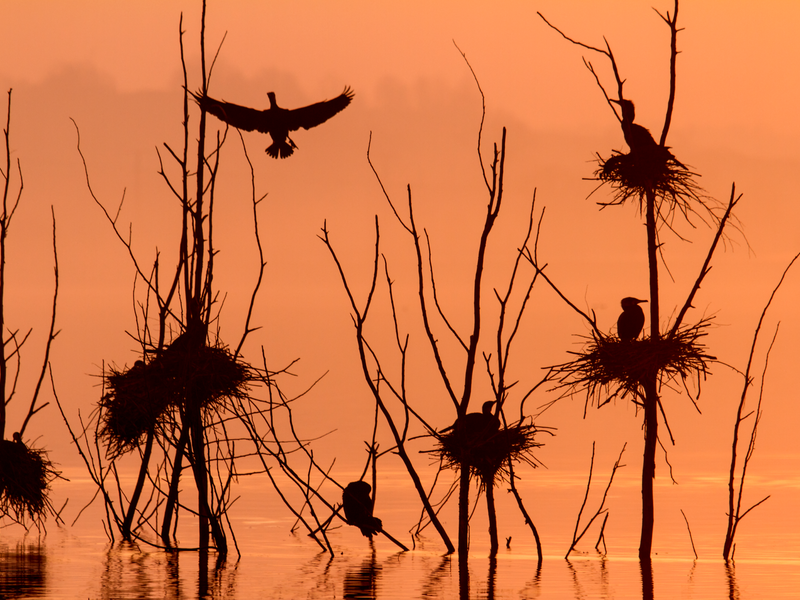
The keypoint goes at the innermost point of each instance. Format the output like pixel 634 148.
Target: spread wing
pixel 314 114
pixel 234 115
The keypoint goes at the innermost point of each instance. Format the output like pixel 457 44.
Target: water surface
pixel 79 562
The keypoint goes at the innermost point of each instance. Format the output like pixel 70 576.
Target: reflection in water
pixel 129 572
pixel 362 581
pixel 23 571
pixel 464 580
pixel 596 577
pixel 434 582
pixel 730 574
pixel 647 579
pixel 72 568
pixel 533 588
pixel 492 578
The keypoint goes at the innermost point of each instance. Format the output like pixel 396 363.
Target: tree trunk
pixel 200 476
pixel 650 390
pixel 172 498
pixel 137 492
pixel 463 512
pixel 648 467
pixel 492 518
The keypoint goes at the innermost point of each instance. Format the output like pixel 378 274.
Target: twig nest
pixel 487 455
pixel 632 175
pixel 25 476
pixel 620 366
pixel 182 376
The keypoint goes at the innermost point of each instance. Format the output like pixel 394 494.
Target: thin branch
pixel 689 529
pixel 734 200
pixel 261 261
pixel 601 510
pixel 50 336
pixel 733 509
pixel 673 58
pixel 483 116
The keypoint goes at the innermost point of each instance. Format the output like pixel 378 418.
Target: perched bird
pixel 358 508
pixel 639 139
pixel 275 121
pixel 476 428
pixel 631 321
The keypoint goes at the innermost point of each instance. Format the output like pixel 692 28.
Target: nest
pixel 25 476
pixel 487 457
pixel 632 175
pixel 620 366
pixel 141 398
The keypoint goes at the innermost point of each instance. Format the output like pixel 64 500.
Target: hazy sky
pixel 114 67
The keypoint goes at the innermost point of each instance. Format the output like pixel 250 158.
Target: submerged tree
pixel 663 189
pixel 25 472
pixel 187 398
pixel 739 465
pixel 482 447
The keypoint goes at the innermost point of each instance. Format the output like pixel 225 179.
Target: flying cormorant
pixel 631 321
pixel 275 121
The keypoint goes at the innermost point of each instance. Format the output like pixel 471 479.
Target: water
pixel 78 562
pixel 67 567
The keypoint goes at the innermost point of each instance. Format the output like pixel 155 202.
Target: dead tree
pixel 25 472
pixel 663 188
pixel 178 404
pixel 736 511
pixel 491 461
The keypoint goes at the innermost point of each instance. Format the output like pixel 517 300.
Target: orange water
pixel 77 561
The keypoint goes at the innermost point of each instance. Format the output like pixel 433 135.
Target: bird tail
pixel 282 149
pixel 370 526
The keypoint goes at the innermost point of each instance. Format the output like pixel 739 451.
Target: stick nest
pixel 25 476
pixel 632 175
pixel 619 367
pixel 488 456
pixel 142 397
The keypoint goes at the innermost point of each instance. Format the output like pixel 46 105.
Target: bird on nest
pixel 275 121
pixel 475 428
pixel 639 139
pixel 631 321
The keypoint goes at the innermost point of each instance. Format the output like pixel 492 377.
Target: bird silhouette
pixel 475 428
pixel 358 508
pixel 631 321
pixel 275 121
pixel 639 139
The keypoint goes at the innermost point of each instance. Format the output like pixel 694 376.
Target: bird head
pixel 272 102
pixel 628 111
pixel 630 302
pixel 487 407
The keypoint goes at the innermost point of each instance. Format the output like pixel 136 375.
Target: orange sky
pixel 114 68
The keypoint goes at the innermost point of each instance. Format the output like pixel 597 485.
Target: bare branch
pixel 50 336
pixel 734 200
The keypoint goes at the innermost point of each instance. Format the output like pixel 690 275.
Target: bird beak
pixel 640 301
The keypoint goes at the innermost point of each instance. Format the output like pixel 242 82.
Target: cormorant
pixel 631 321
pixel 357 503
pixel 275 121
pixel 639 139
pixel 476 428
